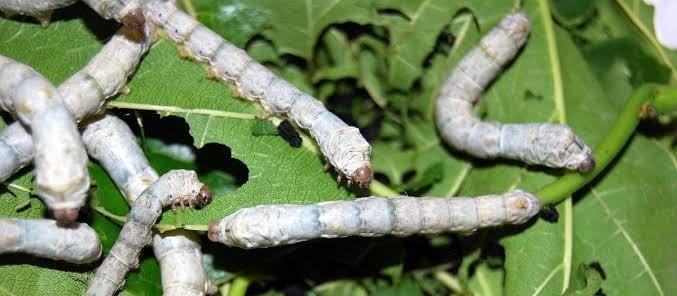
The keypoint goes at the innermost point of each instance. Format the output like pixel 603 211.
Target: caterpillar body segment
pixel 62 178
pixel 16 148
pixel 40 9
pixel 180 258
pixel 110 141
pixel 273 225
pixel 342 145
pixel 43 238
pixel 83 94
pixel 127 12
pixel 173 187
pixel 553 145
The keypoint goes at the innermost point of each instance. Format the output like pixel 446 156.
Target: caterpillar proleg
pixel 83 94
pixel 77 243
pixel 110 141
pixel 274 225
pixel 553 145
pixel 40 9
pixel 341 144
pixel 178 186
pixel 62 179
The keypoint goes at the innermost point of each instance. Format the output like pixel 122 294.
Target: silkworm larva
pixel 174 187
pixel 62 179
pixel 127 12
pixel 180 260
pixel 342 145
pixel 83 94
pixel 77 243
pixel 110 141
pixel 40 9
pixel 553 145
pixel 273 225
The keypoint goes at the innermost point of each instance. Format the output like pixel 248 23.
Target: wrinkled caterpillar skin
pixel 553 145
pixel 274 225
pixel 40 9
pixel 43 238
pixel 83 94
pixel 62 179
pixel 342 145
pixel 174 186
pixel 180 260
pixel 110 141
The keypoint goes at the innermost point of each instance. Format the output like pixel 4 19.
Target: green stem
pixel 620 132
pixel 239 286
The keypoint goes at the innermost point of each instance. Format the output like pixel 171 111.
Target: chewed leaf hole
pixel 168 145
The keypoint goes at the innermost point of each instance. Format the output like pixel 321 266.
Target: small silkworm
pixel 274 225
pixel 287 132
pixel 341 144
pixel 174 187
pixel 62 179
pixel 553 145
pixel 40 9
pixel 83 94
pixel 110 141
pixel 77 243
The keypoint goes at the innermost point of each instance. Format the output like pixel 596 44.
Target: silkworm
pixel 174 187
pixel 40 9
pixel 77 243
pixel 83 94
pixel 341 144
pixel 62 179
pixel 287 132
pixel 274 225
pixel 553 145
pixel 110 141
pixel 180 260
pixel 127 12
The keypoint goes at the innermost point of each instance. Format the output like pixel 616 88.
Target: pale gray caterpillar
pixel 77 243
pixel 174 187
pixel 180 260
pixel 40 9
pixel 553 145
pixel 83 94
pixel 110 141
pixel 341 144
pixel 62 179
pixel 273 225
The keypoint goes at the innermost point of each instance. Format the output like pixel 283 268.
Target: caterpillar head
pixel 65 217
pixel 363 176
pixel 203 197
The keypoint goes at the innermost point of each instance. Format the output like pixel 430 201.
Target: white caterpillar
pixel 180 260
pixel 77 243
pixel 40 9
pixel 553 145
pixel 83 94
pixel 178 186
pixel 342 145
pixel 37 103
pixel 273 225
pixel 127 12
pixel 110 141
